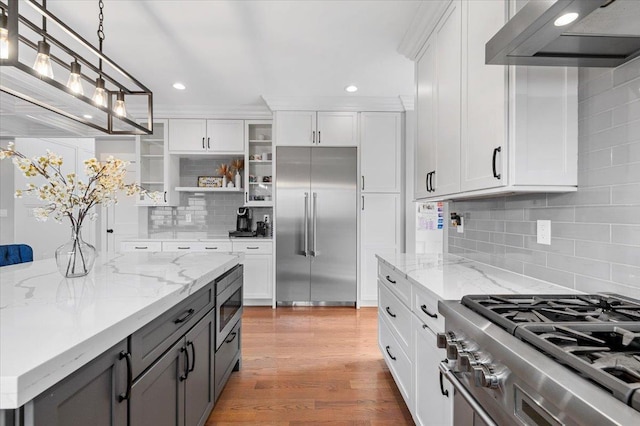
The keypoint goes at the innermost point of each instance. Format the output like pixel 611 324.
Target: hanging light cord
pixel 44 21
pixel 100 31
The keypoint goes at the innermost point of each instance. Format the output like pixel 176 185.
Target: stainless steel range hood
pixel 605 34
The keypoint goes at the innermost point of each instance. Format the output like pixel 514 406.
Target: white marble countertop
pixel 204 240
pixel 51 326
pixel 449 277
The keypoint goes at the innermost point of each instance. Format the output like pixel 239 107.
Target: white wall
pixel 6 198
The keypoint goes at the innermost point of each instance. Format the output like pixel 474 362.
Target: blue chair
pixel 11 254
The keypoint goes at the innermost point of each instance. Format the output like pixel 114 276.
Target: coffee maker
pixel 243 223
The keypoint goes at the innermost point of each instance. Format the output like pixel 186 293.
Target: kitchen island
pixel 50 327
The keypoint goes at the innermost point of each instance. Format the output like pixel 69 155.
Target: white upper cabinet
pixel 438 108
pixel 380 151
pixel 206 136
pixel 498 129
pixel 157 171
pixel 225 136
pixel 311 128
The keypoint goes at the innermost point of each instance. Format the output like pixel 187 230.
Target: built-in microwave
pixel 228 303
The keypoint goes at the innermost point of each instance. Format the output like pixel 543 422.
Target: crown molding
pixel 249 112
pixel 408 102
pixel 423 24
pixel 334 103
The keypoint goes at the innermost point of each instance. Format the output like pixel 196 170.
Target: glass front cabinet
pixel 258 164
pixel 157 171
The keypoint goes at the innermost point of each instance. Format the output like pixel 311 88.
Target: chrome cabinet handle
pixel 127 394
pixel 391 314
pixel 314 253
pixel 389 353
pixel 424 309
pixel 306 224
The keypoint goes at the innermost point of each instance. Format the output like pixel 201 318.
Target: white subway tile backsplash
pixel 615 253
pixel 624 154
pixel 581 231
pixel 551 275
pixel 609 214
pixel 626 72
pixel 626 274
pixel 625 234
pixel 626 113
pixel 579 265
pixel 585 196
pixel 594 285
pixel 558 245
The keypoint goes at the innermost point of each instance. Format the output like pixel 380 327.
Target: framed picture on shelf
pixel 209 181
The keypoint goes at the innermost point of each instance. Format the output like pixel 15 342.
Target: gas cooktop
pixel 598 335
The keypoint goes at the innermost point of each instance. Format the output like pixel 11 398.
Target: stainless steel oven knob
pixel 453 349
pixel 442 339
pixel 466 361
pixel 485 377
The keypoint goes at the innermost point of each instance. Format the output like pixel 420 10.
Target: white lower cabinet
pixel 258 271
pixel 407 325
pixel 433 405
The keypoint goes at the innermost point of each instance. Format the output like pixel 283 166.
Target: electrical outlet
pixel 543 231
pixel 460 227
pixel 266 218
pixel 187 217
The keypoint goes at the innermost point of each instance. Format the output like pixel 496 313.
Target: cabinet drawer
pixel 226 357
pixel 425 307
pixel 253 247
pixel 128 246
pixel 148 343
pixel 397 314
pixel 396 282
pixel 197 246
pixel 396 358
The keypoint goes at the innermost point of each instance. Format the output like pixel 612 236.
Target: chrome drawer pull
pixel 392 315
pixel 424 309
pixel 390 280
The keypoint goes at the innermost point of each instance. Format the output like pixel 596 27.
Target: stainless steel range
pixel 543 359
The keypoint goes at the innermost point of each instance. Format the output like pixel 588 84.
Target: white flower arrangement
pixel 66 195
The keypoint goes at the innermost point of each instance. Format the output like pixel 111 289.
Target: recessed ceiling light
pixel 566 19
pixel 179 86
pixel 88 117
pixel 351 88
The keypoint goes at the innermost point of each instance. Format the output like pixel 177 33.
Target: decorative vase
pixel 238 180
pixel 75 258
pixel 224 181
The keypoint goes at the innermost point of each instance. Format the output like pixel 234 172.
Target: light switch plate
pixel 543 231
pixel 460 228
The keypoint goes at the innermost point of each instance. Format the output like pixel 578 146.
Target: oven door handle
pixel 459 387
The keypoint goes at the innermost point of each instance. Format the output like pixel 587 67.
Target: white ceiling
pixel 230 53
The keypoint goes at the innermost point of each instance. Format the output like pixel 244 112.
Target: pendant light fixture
pixel 43 60
pixel 75 78
pixel 4 36
pixel 102 108
pixel 120 109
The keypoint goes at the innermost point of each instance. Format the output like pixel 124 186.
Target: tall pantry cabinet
pixel 380 195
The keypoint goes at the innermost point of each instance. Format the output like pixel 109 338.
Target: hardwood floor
pixel 308 366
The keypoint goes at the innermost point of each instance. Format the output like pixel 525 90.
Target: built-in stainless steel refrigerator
pixel 316 225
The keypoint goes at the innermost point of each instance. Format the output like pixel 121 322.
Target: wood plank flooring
pixel 308 366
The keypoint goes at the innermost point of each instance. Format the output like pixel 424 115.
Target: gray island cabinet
pixel 166 371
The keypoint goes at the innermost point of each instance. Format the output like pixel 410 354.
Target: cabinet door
pixel 258 277
pixel 380 151
pixel 446 179
pixel 187 135
pixel 90 396
pixel 157 397
pixel 337 129
pixel 425 117
pixel 199 386
pixel 484 107
pixel 295 128
pixel 380 234
pixel 225 136
pixel 431 406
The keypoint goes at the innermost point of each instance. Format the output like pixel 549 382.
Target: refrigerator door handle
pixel 314 252
pixel 306 224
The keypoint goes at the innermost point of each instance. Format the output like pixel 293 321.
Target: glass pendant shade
pixel 75 79
pixel 119 109
pixel 4 37
pixel 100 95
pixel 43 61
